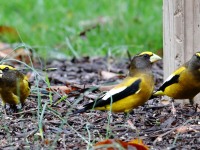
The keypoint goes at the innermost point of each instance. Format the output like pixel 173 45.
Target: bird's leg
pixel 22 105
pixel 14 108
pixel 173 108
pixel 126 116
pixel 191 101
pixel 4 108
pixel 196 107
pixel 192 104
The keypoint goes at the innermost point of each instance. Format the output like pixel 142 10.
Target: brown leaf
pixel 138 144
pixel 115 144
pixel 7 29
pixel 182 129
pixel 8 32
pixel 106 88
pixel 62 89
pixel 165 100
pixel 20 54
pixel 47 142
pixel 107 75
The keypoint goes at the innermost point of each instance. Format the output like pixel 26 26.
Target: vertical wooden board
pixel 196 25
pixel 196 33
pixel 189 28
pixel 168 45
pixel 178 32
pixel 181 26
pixel 173 27
pixel 179 35
pixel 166 36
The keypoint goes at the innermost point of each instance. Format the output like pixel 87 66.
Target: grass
pixel 54 26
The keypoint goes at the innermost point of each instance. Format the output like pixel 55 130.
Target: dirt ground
pixel 77 82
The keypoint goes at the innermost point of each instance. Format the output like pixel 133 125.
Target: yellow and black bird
pixel 133 91
pixel 184 83
pixel 14 86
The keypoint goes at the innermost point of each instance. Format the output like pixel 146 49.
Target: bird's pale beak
pixel 1 73
pixel 154 58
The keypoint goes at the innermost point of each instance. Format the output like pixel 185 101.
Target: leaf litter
pixel 76 82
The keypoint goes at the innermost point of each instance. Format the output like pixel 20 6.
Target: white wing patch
pixel 169 78
pixel 177 72
pixel 113 92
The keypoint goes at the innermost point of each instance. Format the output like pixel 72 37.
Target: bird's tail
pixel 87 107
pixel 156 94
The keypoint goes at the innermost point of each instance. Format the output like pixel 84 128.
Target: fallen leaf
pixel 5 49
pixel 8 33
pixel 182 129
pixel 165 100
pixel 107 75
pixel 106 88
pixel 138 144
pixel 62 89
pixel 20 54
pixel 47 142
pixel 4 46
pixel 7 29
pixel 113 144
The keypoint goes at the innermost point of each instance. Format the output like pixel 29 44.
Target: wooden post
pixel 181 37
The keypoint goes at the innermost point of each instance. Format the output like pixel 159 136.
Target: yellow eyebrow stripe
pixel 148 53
pixel 4 66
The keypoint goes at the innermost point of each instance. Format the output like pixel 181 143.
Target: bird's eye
pixel 146 56
pixel 6 69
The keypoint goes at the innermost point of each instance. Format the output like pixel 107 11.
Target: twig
pixel 160 136
pixel 27 134
pixel 26 111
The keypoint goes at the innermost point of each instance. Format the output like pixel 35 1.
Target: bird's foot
pixel 173 109
pixel 196 107
pixel 14 108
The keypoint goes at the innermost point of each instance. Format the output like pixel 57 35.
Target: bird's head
pixel 194 63
pixel 4 69
pixel 144 60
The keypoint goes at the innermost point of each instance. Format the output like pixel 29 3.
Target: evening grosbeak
pixel 14 86
pixel 184 83
pixel 133 91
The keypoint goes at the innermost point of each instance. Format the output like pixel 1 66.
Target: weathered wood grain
pixel 181 27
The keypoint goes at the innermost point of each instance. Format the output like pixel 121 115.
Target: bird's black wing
pixel 133 88
pixel 173 80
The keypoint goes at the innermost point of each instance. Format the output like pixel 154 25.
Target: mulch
pixel 76 82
